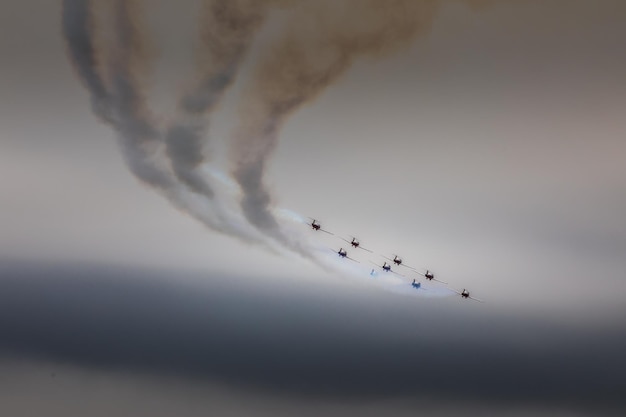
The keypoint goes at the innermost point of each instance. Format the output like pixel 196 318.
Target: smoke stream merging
pixel 320 43
pixel 227 29
pixel 120 102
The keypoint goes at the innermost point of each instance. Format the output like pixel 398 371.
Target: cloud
pixel 307 344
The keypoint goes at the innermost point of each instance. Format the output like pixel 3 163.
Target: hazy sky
pixel 490 149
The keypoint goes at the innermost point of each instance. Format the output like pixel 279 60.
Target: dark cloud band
pixel 304 345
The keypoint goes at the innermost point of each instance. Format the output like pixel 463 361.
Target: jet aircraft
pixel 315 225
pixel 466 294
pixel 430 276
pixel 356 244
pixel 387 268
pixel 398 261
pixel 417 285
pixel 344 254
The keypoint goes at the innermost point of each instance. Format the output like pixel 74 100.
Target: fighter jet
pixel 430 276
pixel 398 261
pixel 356 244
pixel 417 285
pixel 344 254
pixel 315 225
pixel 466 294
pixel 387 268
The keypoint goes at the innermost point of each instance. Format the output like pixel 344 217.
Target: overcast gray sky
pixel 490 150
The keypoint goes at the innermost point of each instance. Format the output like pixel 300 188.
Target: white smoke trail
pixel 227 30
pixel 321 41
pixel 119 101
pixel 359 273
pixel 77 23
pixel 115 69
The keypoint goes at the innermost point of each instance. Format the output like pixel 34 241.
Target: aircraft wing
pixel 326 231
pixel 476 299
pixel 367 250
pixel 352 259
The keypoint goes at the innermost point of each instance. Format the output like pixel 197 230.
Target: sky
pixel 481 140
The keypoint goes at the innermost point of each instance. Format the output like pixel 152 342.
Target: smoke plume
pixel 113 57
pixel 116 89
pixel 77 23
pixel 321 41
pixel 227 29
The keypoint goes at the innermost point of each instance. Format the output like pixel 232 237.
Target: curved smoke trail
pixel 77 23
pixel 321 41
pixel 119 101
pixel 227 30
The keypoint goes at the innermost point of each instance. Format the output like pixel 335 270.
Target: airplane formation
pixel 387 267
